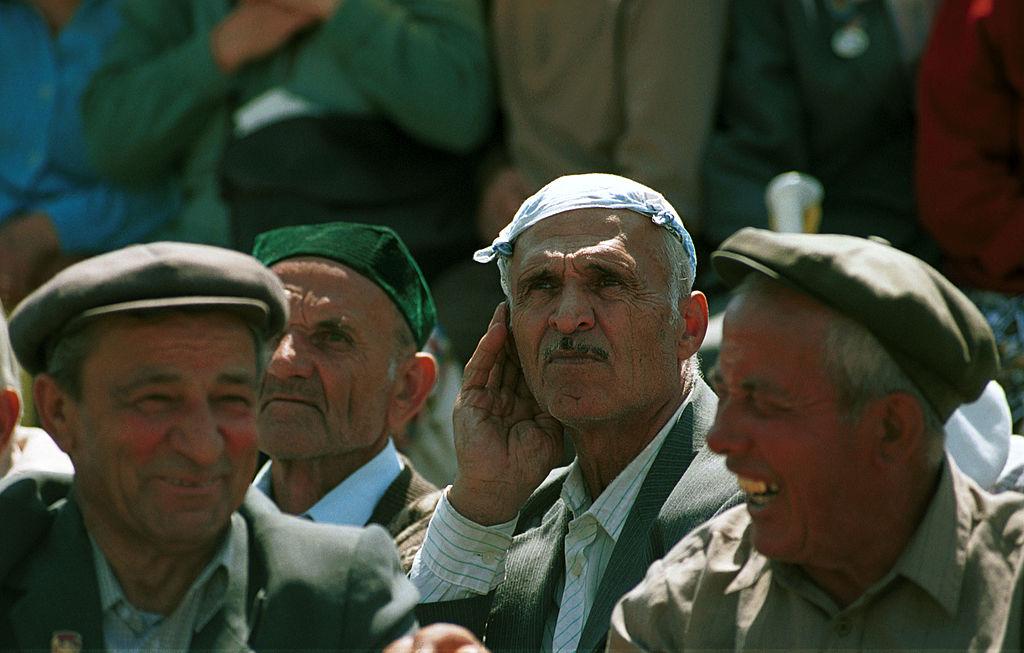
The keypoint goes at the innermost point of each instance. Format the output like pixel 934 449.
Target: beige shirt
pixel 957 586
pixel 620 86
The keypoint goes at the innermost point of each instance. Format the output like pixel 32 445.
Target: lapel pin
pixel 65 641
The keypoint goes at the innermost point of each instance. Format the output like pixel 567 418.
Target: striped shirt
pixel 460 559
pixel 127 628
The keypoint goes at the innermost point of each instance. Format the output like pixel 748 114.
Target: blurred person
pixel 22 448
pixel 596 341
pixel 307 110
pixel 968 166
pixel 841 359
pixel 826 88
pixel 623 87
pixel 55 207
pixel 147 363
pixel 347 375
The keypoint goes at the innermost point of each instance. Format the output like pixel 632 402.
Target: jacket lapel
pixel 526 597
pixel 636 549
pixel 59 590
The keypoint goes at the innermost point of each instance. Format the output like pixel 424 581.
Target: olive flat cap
pixel 933 331
pixel 146 277
pixel 374 251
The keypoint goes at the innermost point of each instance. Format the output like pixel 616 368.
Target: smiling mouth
pixel 180 482
pixel 759 493
pixel 289 400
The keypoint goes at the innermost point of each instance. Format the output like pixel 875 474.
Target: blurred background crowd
pixel 140 120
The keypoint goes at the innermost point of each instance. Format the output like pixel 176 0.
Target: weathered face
pixel 592 316
pixel 164 436
pixel 327 389
pixel 805 469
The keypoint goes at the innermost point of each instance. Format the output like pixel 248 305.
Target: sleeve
pixel 100 218
pixel 459 558
pixel 422 63
pixel 655 615
pixel 672 54
pixel 380 600
pixel 154 94
pixel 970 187
pixel 758 132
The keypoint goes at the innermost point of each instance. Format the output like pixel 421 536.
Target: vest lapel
pixel 636 549
pixel 524 600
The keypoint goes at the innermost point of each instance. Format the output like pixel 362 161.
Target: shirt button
pixel 843 627
pixel 577 567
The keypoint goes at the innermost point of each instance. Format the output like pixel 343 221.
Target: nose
pixel 288 359
pixel 198 436
pixel 725 438
pixel 573 312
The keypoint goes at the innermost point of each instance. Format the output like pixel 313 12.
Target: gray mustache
pixel 566 343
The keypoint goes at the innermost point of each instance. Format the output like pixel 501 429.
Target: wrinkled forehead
pixel 318 283
pixel 589 231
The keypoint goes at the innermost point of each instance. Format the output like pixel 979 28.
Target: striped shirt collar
pixel 615 502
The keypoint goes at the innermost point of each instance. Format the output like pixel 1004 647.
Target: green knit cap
pixel 373 251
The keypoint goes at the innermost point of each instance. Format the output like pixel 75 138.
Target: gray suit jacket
pixel 309 586
pixel 686 485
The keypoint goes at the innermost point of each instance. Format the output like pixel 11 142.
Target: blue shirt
pixel 351 502
pixel 44 165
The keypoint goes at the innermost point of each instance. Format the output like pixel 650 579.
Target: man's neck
pixel 879 544
pixel 299 484
pixel 604 449
pixel 153 581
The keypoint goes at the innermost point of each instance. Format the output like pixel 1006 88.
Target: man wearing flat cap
pixel 147 365
pixel 841 359
pixel 346 376
pixel 597 341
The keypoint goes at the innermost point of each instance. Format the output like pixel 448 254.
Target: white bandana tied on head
pixel 588 191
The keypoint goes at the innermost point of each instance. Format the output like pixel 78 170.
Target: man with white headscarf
pixel 596 341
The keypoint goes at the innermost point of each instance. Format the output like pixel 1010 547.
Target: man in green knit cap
pixel 346 376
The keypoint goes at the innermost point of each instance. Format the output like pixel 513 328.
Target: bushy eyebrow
pixel 159 377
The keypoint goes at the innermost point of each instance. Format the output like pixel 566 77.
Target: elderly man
pixel 345 377
pixel 147 365
pixel 22 448
pixel 597 341
pixel 841 359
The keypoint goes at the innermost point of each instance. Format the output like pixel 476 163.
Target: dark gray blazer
pixel 310 586
pixel 686 485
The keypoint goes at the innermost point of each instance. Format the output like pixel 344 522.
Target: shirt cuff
pixel 465 554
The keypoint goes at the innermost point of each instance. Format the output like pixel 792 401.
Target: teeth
pixel 750 486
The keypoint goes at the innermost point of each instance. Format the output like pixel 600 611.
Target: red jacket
pixel 970 178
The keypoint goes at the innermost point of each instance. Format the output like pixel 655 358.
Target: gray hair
pixel 860 368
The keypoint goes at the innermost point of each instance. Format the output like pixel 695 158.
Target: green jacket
pixel 309 586
pixel 161 107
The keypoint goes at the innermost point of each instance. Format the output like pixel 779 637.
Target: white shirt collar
pixel 614 504
pixel 352 501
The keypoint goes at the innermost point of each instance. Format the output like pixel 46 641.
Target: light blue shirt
pixel 351 502
pixel 44 166
pixel 221 585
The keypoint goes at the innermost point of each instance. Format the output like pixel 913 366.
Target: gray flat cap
pixel 146 277
pixel 935 334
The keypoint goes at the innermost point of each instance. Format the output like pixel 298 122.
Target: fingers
pixel 439 638
pixel 488 351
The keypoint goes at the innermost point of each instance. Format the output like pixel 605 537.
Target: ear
pixel 900 435
pixel 10 407
pixel 58 412
pixel 410 390
pixel 694 312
